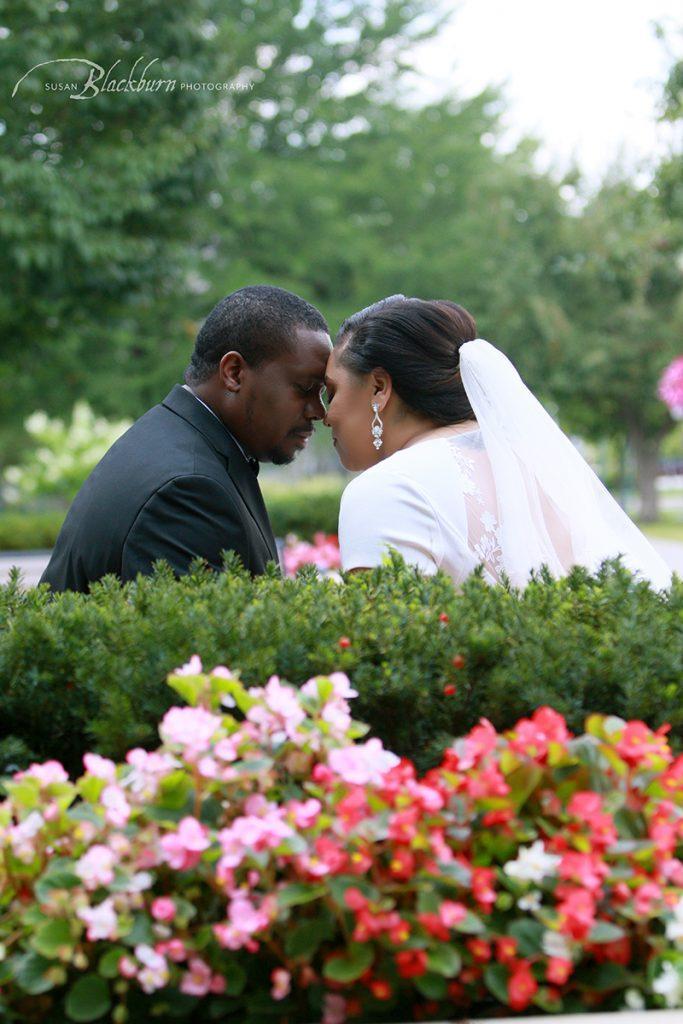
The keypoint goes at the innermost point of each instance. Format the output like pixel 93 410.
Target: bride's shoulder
pixel 404 471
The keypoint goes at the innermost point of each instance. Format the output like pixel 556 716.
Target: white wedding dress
pixel 511 492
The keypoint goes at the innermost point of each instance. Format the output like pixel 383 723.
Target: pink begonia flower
pixel 100 767
pixel 334 1009
pixel 116 807
pixel 174 949
pixel 197 982
pixel 480 740
pixel 281 983
pixel 644 896
pixel 226 749
pixel 428 798
pixel 46 773
pixel 193 667
pixel 244 920
pixel 452 913
pixel 252 832
pixel 305 814
pixel 183 849
pixel 222 672
pixel 191 728
pixel 586 868
pixel 208 767
pixel 341 687
pixel 336 716
pixel 96 867
pixel 21 836
pixel 127 967
pixel 155 973
pixel 282 711
pixel 362 764
pixel 163 909
pixel 147 770
pixel 140 881
pixel 101 920
pixel 639 745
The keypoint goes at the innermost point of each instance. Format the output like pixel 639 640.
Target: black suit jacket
pixel 175 486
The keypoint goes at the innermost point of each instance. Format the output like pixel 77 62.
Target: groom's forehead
pixel 309 353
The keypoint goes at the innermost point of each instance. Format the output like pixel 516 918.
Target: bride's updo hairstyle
pixel 417 343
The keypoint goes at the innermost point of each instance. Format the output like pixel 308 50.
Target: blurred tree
pixel 101 240
pixel 623 291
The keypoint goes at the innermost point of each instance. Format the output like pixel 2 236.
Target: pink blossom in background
pixel 363 763
pixel 96 867
pixel 281 983
pixel 192 728
pixel 100 767
pixel 101 920
pixel 47 773
pixel 670 388
pixel 323 553
pixel 116 807
pixel 183 849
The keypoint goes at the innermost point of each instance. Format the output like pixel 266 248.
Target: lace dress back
pixel 484 533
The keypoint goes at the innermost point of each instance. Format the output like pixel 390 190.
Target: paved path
pixel 32 563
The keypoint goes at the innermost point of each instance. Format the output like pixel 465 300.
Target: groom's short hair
pixel 258 321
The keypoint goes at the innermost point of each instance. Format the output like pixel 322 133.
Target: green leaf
pixel 189 687
pixel 60 879
pixel 432 986
pixel 496 980
pixel 605 931
pixel 108 965
pixel 444 960
pixel 350 965
pixel 30 973
pixel 88 999
pixel 299 892
pixel 605 977
pixel 235 978
pixel 305 937
pixel 53 936
pixel 470 925
pixel 529 935
pixel 141 932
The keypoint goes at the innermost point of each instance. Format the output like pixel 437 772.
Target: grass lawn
pixel 668 527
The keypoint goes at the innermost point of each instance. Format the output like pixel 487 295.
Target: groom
pixel 181 482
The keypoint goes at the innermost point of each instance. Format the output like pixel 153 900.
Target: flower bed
pixel 262 864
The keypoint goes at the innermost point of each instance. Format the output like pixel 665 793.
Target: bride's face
pixel 349 415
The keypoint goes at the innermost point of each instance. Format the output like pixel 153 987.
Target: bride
pixel 461 464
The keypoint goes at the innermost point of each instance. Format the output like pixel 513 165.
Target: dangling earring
pixel 377 427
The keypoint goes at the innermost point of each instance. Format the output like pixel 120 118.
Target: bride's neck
pixel 423 432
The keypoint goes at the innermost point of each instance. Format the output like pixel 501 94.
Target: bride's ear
pixel 381 388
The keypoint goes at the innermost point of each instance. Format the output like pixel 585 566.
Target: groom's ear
pixel 231 371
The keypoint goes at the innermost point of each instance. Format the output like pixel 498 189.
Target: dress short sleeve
pixel 382 509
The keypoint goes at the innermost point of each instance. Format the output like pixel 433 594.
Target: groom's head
pixel 259 363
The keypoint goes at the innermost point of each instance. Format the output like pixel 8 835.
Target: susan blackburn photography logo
pixel 92 79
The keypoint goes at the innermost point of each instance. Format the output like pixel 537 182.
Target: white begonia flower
pixel 532 863
pixel 669 984
pixel 530 900
pixel 555 944
pixel 674 927
pixel 633 999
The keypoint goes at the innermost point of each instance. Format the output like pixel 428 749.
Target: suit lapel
pixel 184 404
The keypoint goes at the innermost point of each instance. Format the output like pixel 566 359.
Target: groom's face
pixel 283 399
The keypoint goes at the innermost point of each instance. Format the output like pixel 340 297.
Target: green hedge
pixel 87 671
pixel 301 508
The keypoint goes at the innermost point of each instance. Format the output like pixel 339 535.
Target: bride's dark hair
pixel 417 342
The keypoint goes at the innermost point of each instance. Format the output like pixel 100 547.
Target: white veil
pixel 552 508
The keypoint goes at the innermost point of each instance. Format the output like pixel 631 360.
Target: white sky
pixel 584 76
